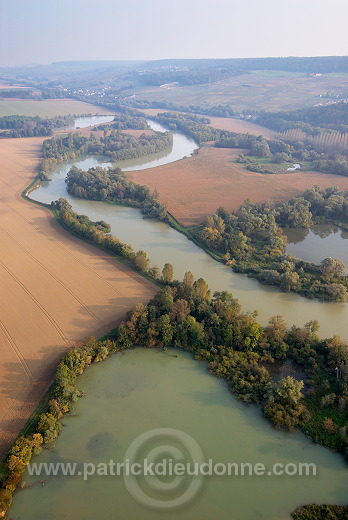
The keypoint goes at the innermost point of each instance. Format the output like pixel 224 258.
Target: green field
pixel 261 90
pixel 48 107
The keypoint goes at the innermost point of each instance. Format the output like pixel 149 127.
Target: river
pixel 165 244
pixel 143 390
pixel 84 122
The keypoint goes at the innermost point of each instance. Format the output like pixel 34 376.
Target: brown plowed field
pixel 54 290
pixel 195 187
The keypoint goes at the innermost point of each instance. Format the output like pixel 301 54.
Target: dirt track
pixel 54 290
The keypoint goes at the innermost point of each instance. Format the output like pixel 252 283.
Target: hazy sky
pixel 42 31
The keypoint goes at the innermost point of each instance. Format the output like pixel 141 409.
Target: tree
pixel 201 290
pixel 211 237
pixel 166 330
pixel 269 276
pixel 216 222
pixel 188 279
pixel 338 352
pixel 276 329
pixel 48 427
pixel 337 292
pixel 226 306
pixel 141 260
pixel 260 148
pixel 331 267
pixel 281 157
pixel 275 334
pixel 164 299
pixel 239 245
pixel 180 309
pixel 168 273
pixel 289 281
pixel 155 272
pixel 283 406
pixel 195 331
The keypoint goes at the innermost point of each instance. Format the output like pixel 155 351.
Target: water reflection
pixel 318 243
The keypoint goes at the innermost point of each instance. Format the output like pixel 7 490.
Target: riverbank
pixel 78 360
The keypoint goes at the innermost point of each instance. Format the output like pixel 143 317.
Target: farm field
pixel 227 123
pixel 261 90
pixel 48 107
pixel 56 290
pixel 195 187
pixel 240 126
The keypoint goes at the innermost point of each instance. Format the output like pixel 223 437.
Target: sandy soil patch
pixel 195 187
pixel 54 290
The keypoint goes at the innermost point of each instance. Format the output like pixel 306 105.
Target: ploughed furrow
pixel 120 266
pixel 37 303
pixel 55 290
pixel 66 287
pixel 17 351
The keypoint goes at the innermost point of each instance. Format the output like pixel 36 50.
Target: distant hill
pixel 333 116
pixel 121 74
pixel 317 64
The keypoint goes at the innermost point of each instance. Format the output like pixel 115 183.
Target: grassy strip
pixel 192 233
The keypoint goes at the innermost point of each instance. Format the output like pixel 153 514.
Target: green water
pixel 143 389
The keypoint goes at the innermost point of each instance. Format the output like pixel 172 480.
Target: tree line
pixel 111 185
pixel 99 234
pixel 214 111
pixel 216 331
pixel 124 122
pixel 114 144
pixel 311 120
pixel 186 77
pixel 283 149
pixel 193 126
pixel 31 126
pixel 252 241
pixel 291 146
pixel 233 345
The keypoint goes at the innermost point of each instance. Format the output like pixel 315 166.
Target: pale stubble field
pixel 54 290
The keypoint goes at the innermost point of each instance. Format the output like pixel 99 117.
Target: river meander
pixel 165 244
pixel 142 389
